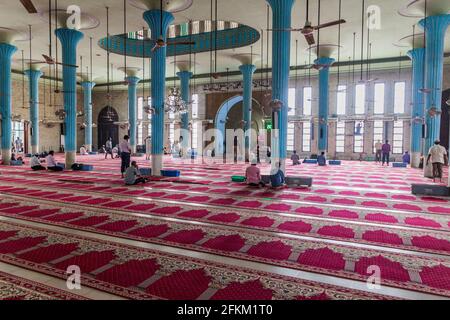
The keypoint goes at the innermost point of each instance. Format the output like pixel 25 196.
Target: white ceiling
pixel 249 12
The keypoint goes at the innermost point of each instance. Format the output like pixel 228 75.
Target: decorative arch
pixel 221 120
pixel 106 127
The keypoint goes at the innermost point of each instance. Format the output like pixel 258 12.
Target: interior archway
pixel 106 127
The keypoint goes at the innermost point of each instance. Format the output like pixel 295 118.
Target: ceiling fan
pixel 50 61
pixel 29 6
pixel 160 42
pixel 308 29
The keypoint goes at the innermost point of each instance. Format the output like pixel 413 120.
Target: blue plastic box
pixel 310 161
pixel 16 163
pixel 334 162
pixel 87 167
pixel 399 165
pixel 170 173
pixel 145 171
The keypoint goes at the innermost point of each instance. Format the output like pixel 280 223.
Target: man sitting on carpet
pixel 322 160
pixel 83 151
pixel 277 179
pixel 51 163
pixel 295 159
pixel 406 158
pixel 35 163
pixel 133 176
pixel 253 175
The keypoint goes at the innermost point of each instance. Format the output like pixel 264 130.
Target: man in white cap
pixel 253 175
pixel 438 157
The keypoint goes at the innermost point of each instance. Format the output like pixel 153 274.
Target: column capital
pixel 7 50
pixel 69 37
pixel 282 5
pixel 416 55
pixel 153 19
pixel 325 61
pixel 247 69
pixel 184 75
pixel 88 85
pixel 436 24
pixel 133 81
pixel 34 75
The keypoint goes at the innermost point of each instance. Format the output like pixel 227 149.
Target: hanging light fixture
pixel 174 102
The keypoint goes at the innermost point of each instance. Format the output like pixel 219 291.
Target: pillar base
pixel 71 158
pixel 157 164
pixel 415 159
pixel 428 170
pixel 6 157
pixel 34 149
pixel 133 149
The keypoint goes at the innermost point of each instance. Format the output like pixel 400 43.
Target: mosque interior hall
pixel 224 150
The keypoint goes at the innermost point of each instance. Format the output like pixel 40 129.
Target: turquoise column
pixel 6 53
pixel 69 39
pixel 281 47
pixel 418 70
pixel 435 28
pixel 33 77
pixel 88 86
pixel 247 72
pixel 158 23
pixel 132 110
pixel 324 78
pixel 185 77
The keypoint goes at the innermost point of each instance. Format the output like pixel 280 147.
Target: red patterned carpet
pixel 355 216
pixel 16 288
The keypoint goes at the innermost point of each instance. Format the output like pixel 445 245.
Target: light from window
pixel 307 103
pixel 360 99
pixel 378 133
pixel 398 137
pixel 220 25
pixel 195 106
pixel 291 102
pixel 399 97
pixel 341 99
pixel 290 136
pixel 172 133
pixel 379 98
pixel 234 25
pixel 358 145
pixel 172 31
pixel 208 26
pixel 184 29
pixel 306 141
pixel 195 135
pixel 195 27
pixel 340 136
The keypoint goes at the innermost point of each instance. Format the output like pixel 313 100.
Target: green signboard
pixel 268 125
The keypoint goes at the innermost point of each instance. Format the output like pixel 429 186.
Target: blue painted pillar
pixel 324 77
pixel 435 28
pixel 87 90
pixel 185 77
pixel 6 53
pixel 132 110
pixel 281 48
pixel 158 29
pixel 247 71
pixel 418 70
pixel 69 40
pixel 33 77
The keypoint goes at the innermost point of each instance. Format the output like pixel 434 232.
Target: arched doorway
pixel 106 127
pixel 229 116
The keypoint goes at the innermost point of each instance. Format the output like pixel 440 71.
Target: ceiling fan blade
pixel 310 39
pixel 66 65
pixel 284 30
pixel 330 24
pixel 29 6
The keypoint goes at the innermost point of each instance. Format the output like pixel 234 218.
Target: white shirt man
pixel 125 146
pixel 50 161
pixel 437 154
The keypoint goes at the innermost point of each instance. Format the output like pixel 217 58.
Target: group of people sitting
pixel 254 179
pixel 321 159
pixel 36 162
